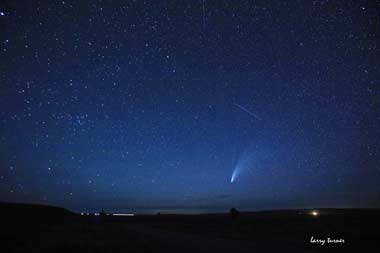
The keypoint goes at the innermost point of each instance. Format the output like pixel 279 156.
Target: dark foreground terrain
pixel 33 228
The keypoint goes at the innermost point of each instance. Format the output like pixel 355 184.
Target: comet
pixel 233 176
pixel 244 163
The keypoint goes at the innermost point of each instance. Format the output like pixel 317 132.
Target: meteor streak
pixel 204 19
pixel 247 111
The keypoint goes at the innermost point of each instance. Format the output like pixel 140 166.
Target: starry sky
pixel 190 105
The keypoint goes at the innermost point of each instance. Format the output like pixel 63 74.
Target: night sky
pixel 190 105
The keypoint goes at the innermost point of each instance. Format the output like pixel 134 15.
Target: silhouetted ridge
pixel 32 212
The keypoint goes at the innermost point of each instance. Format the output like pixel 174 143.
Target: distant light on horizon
pixel 314 213
pixel 123 214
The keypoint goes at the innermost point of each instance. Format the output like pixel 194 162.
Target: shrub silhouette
pixel 234 213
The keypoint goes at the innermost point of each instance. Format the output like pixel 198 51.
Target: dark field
pixel 27 228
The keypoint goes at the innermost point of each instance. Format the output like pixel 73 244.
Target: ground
pixel 276 231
